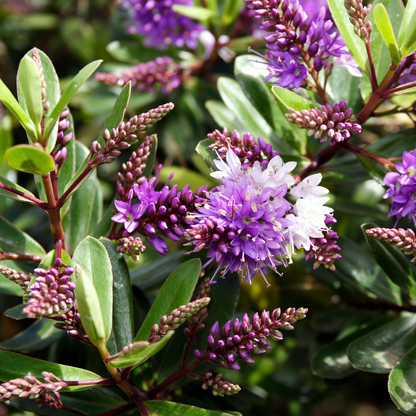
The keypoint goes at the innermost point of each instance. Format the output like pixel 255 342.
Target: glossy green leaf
pixel 141 353
pixel 184 176
pixel 409 30
pixel 53 94
pixel 153 273
pixel 197 13
pixel 30 159
pixel 176 291
pixel 332 361
pixel 384 26
pixel 16 312
pixel 122 297
pixel 102 229
pixel 14 365
pixel 85 209
pixel 380 350
pixel 116 115
pixel 160 407
pixel 89 307
pixel 373 169
pixel 223 116
pixel 7 98
pixel 291 100
pixel 29 92
pixel 69 92
pixel 253 122
pixel 39 335
pixel 260 95
pixel 208 155
pixel 354 43
pixel 402 382
pixel 359 268
pixel 6 139
pixel 12 195
pixel 92 256
pixel 394 263
pixel 408 19
pixel 16 241
pixel 147 171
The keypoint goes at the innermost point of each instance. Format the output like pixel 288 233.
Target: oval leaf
pixel 176 291
pixel 291 100
pixel 380 350
pixel 159 407
pixel 93 258
pixel 29 159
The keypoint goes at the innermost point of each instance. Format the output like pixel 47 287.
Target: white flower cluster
pixel 308 210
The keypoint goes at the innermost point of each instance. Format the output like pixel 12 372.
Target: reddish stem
pixel 20 257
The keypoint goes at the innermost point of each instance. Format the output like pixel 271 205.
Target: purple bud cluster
pixel 176 318
pixel 242 339
pixel 324 250
pixel 133 169
pixel 126 134
pixel 70 321
pixel 404 240
pixel 16 276
pixel 59 152
pixel 220 387
pixel 358 18
pixel 246 148
pixel 333 122
pixel 52 292
pixel 45 393
pixel 131 246
pixel 163 72
pixel 160 25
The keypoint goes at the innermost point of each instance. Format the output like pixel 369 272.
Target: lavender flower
pixel 163 72
pixel 247 222
pixel 333 122
pixel 128 215
pixel 243 339
pixel 402 187
pixel 156 21
pixel 52 293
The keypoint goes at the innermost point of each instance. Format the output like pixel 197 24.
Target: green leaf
pixel 394 263
pixel 160 407
pixel 11 195
pixel 223 116
pixel 354 43
pixel 14 365
pixel 408 19
pixel 147 171
pixel 176 291
pixel 53 94
pixel 6 139
pixel 207 154
pixel 253 122
pixel 69 92
pixel 8 287
pixel 89 307
pixel 231 10
pixel 39 335
pixel 92 256
pixel 16 312
pixel 30 159
pixel 16 241
pixel 141 353
pixel 373 169
pixel 85 209
pixel 380 350
pixel 358 268
pixel 332 361
pixel 184 176
pixel 198 13
pixel 29 92
pixel 261 96
pixel 7 98
pixel 291 100
pixel 117 113
pixel 122 297
pixel 384 26
pixel 402 382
